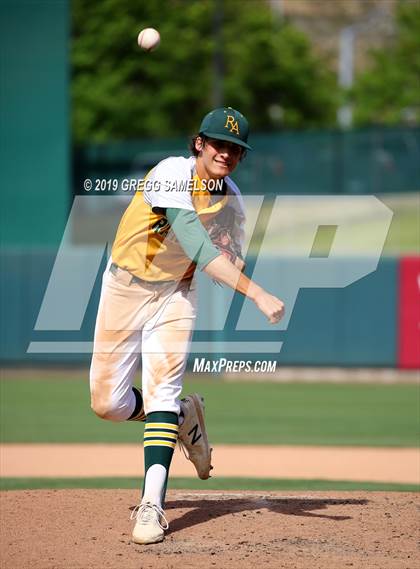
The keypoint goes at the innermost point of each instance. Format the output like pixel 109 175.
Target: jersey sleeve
pixel 169 185
pixel 192 236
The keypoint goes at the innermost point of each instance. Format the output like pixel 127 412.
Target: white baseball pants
pixel 154 320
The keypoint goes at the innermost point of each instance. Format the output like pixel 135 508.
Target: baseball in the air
pixel 148 39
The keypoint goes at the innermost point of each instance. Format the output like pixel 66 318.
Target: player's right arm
pixel 196 243
pixel 224 271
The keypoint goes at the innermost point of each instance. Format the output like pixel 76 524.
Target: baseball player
pixel 187 214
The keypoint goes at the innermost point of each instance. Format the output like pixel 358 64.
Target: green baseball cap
pixel 226 124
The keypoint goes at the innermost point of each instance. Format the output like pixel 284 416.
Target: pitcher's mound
pixel 90 529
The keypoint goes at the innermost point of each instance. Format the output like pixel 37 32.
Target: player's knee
pixel 110 409
pixel 100 408
pixel 105 409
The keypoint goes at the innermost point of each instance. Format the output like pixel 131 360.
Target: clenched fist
pixel 270 305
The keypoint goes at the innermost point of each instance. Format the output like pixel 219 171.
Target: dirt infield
pixel 393 465
pixel 87 529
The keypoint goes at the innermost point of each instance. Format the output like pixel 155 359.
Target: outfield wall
pixel 35 132
pixel 376 160
pixel 364 324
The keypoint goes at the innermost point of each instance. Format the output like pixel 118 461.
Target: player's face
pixel 218 158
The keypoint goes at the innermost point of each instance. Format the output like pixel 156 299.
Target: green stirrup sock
pixel 138 413
pixel 160 436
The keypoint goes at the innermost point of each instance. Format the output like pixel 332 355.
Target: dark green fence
pixel 369 161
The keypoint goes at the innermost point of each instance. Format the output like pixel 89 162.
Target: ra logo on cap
pixel 231 124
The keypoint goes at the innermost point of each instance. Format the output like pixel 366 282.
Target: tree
pixel 389 92
pixel 119 92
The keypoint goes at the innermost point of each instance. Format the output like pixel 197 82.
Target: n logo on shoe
pixel 195 438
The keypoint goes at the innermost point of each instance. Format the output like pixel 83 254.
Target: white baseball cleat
pixel 192 435
pixel 150 523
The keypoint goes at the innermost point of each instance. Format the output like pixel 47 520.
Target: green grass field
pixel 261 484
pixel 40 410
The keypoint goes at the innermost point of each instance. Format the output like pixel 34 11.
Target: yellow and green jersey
pixel 145 245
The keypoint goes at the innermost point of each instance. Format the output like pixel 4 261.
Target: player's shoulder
pixel 169 183
pixel 175 166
